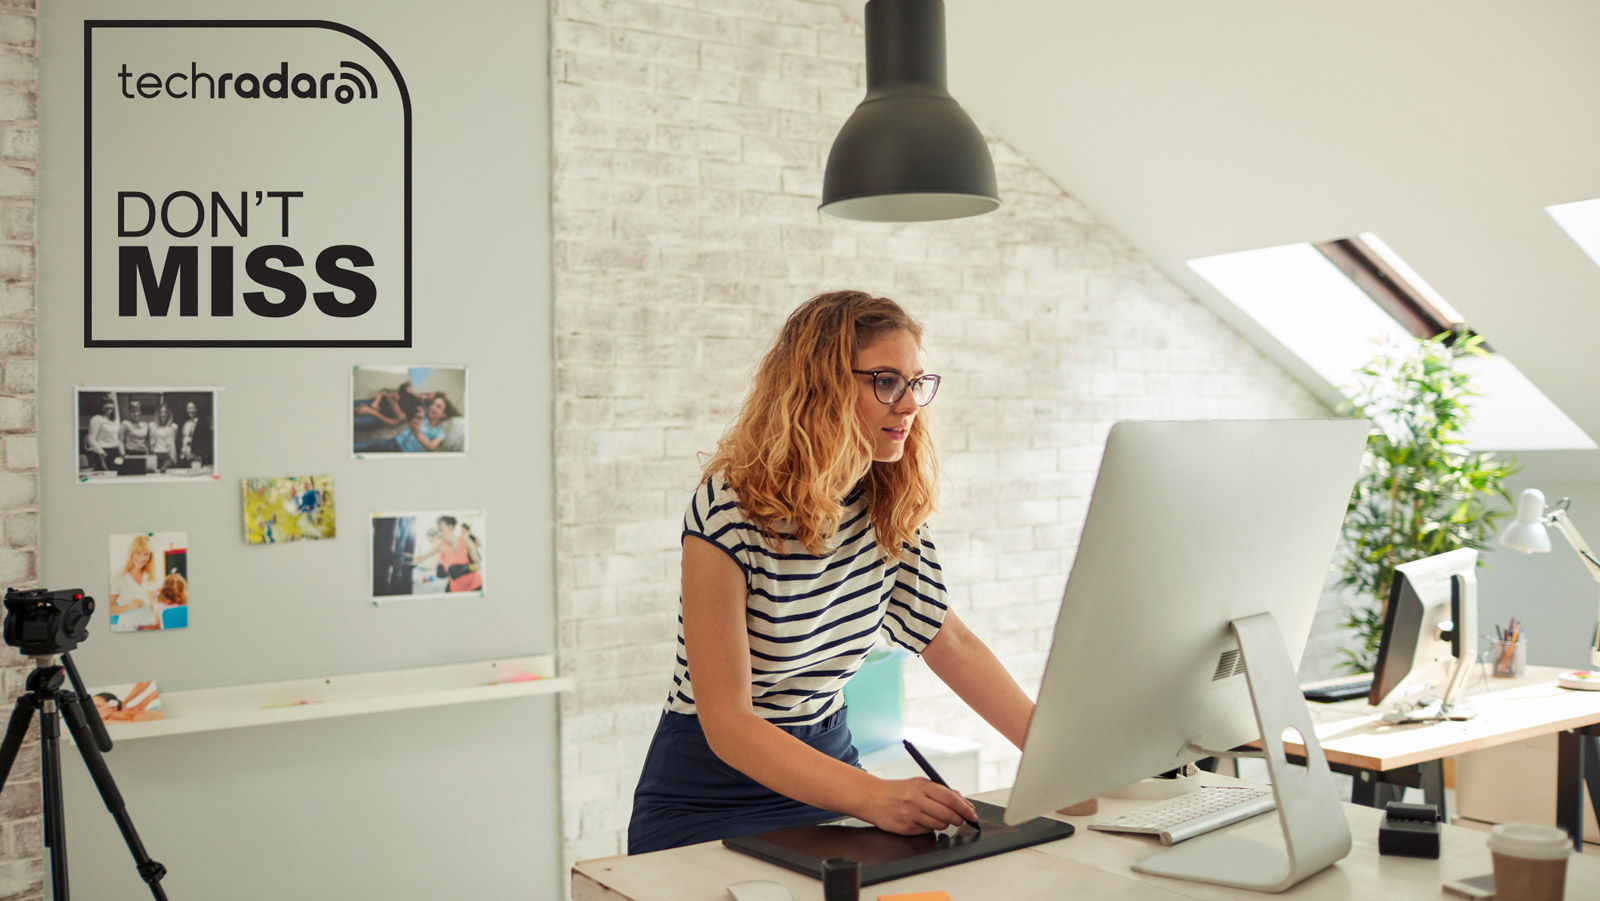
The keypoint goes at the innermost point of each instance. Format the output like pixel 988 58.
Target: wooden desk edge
pixel 585 888
pixel 589 886
pixel 1384 764
pixel 1535 675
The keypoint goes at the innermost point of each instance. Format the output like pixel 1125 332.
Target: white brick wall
pixel 21 824
pixel 689 139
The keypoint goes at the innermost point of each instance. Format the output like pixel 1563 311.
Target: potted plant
pixel 1421 491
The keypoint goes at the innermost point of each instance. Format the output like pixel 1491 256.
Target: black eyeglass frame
pixel 875 373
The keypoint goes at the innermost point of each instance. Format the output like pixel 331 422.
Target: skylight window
pixel 1376 245
pixel 1330 303
pixel 1581 222
pixel 1369 263
pixel 1305 302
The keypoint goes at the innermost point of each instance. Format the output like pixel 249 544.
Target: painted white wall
pixel 450 802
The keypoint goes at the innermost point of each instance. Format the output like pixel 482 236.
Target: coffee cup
pixel 1530 862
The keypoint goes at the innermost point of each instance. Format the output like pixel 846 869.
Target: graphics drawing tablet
pixel 884 855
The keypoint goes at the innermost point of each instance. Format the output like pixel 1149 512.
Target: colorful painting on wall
pixel 295 508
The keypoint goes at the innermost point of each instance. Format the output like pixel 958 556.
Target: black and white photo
pixel 146 434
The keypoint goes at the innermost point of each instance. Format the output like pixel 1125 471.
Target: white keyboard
pixel 1198 812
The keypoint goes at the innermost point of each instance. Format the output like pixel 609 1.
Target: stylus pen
pixel 932 774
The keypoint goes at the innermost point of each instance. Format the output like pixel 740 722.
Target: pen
pixel 932 774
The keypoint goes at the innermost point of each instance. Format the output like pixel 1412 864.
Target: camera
pixel 44 623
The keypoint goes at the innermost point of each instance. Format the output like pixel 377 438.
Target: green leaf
pixel 1421 490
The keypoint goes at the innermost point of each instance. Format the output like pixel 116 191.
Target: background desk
pixel 1383 757
pixel 1086 865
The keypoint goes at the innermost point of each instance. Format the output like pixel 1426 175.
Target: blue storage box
pixel 876 699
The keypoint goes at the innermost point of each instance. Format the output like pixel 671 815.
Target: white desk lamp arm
pixel 1563 524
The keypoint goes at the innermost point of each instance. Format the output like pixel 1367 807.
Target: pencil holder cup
pixel 1509 658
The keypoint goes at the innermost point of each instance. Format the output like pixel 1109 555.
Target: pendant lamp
pixel 909 152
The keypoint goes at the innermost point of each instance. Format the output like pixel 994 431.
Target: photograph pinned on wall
pixel 146 434
pixel 288 509
pixel 149 581
pixel 427 555
pixel 130 702
pixel 409 411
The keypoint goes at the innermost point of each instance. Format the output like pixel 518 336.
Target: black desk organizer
pixel 886 856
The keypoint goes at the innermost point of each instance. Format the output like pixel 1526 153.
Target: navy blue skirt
pixel 687 795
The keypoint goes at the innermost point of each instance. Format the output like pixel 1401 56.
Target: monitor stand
pixel 1430 712
pixel 1463 636
pixel 1315 832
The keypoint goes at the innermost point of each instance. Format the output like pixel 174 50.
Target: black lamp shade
pixel 908 153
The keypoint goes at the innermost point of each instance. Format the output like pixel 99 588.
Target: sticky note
pixel 918 896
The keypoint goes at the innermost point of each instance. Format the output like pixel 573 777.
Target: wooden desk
pixel 1086 865
pixel 1382 756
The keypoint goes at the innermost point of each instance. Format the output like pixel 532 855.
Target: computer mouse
pixel 758 890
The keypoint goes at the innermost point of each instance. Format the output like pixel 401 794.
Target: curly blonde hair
pixel 797 448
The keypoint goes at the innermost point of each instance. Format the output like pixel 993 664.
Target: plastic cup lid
pixel 1530 841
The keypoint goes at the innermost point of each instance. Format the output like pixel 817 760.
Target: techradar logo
pixel 356 83
pixel 277 214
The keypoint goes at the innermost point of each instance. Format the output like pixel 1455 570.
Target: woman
pixel 164 439
pixel 409 399
pixel 424 433
pixel 427 436
pixel 135 431
pixel 103 440
pixel 194 448
pixel 804 542
pixel 114 710
pixel 458 557
pixel 133 591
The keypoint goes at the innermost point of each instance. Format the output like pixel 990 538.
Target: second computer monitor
pixel 1429 638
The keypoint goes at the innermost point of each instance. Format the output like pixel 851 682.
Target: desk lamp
pixel 1528 535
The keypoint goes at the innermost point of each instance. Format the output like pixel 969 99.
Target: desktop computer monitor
pixel 1206 548
pixel 1429 640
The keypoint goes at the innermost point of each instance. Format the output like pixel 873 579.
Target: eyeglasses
pixel 889 386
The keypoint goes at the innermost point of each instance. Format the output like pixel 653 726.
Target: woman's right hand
pixel 914 806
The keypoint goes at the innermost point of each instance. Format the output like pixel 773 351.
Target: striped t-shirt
pixel 812 620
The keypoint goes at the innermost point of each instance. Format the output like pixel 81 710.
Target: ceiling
pixel 1444 126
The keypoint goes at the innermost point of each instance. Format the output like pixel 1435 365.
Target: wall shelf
pixel 298 700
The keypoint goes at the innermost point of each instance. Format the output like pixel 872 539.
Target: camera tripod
pixel 46 696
